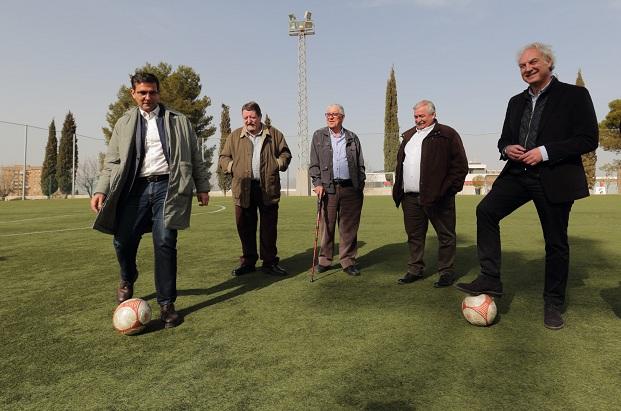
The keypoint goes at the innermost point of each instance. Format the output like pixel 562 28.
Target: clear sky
pixel 74 55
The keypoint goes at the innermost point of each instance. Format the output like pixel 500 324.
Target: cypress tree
pixel 65 155
pixel 49 184
pixel 391 124
pixel 589 160
pixel 224 180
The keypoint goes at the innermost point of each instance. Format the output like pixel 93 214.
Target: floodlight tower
pixel 301 29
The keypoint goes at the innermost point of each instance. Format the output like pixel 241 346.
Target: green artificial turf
pixel 259 342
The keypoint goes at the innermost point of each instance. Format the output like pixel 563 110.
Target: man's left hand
pixel 203 199
pixel 531 157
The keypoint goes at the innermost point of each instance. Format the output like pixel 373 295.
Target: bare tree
pixel 87 175
pixel 6 181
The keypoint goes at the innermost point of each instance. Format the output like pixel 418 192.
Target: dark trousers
pixel 508 193
pixel 416 219
pixel 144 209
pixel 247 219
pixel 343 207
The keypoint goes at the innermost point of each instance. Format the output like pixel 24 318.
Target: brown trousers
pixel 246 220
pixel 416 219
pixel 343 207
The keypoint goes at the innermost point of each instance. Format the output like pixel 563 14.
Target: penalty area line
pixel 221 208
pixel 45 232
pixel 38 218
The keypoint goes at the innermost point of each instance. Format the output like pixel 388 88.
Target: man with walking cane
pixel 337 171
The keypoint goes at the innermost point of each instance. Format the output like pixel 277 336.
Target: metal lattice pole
pixel 301 29
pixel 302 103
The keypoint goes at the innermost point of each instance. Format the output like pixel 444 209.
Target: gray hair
pixel 431 108
pixel 341 109
pixel 544 49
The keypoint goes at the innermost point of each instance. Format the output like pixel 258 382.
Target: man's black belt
pixel 343 182
pixel 155 178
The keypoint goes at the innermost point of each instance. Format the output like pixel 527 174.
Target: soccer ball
pixel 479 310
pixel 131 316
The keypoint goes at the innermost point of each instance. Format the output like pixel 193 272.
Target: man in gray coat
pixel 337 172
pixel 150 171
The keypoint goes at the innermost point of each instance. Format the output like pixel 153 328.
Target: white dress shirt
pixel 257 145
pixel 411 162
pixel 154 162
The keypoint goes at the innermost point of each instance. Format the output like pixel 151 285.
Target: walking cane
pixel 317 221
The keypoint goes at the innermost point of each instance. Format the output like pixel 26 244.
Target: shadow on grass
pixel 522 272
pixel 336 267
pixel 613 297
pixel 236 286
pixel 389 406
pixel 394 257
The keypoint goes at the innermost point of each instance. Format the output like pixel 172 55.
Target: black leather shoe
pixel 445 280
pixel 482 285
pixel 243 269
pixel 322 268
pixel 274 269
pixel 410 278
pixel 552 318
pixel 169 316
pixel 125 291
pixel 352 270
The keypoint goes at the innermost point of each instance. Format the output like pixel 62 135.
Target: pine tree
pixel 224 180
pixel 49 184
pixel 589 160
pixel 179 90
pixel 391 124
pixel 65 155
pixel 610 128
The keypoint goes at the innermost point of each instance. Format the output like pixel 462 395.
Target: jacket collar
pixel 547 89
pixel 265 131
pixel 348 135
pixel 407 135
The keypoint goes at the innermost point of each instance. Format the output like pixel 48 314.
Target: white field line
pixel 45 232
pixel 89 227
pixel 38 218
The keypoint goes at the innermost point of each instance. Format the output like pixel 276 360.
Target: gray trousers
pixel 343 207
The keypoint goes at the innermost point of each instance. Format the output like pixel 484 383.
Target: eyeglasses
pixel 143 93
pixel 333 115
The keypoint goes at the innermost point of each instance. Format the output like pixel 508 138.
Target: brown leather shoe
pixel 125 291
pixel 169 316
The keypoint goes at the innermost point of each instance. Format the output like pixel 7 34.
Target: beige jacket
pixel 236 159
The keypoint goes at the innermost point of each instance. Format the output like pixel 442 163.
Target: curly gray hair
pixel 544 49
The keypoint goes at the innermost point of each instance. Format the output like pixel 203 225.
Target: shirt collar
pixel 249 134
pixel 427 129
pixel 151 114
pixel 340 134
pixel 530 91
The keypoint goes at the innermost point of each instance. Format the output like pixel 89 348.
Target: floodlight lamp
pixel 291 17
pixel 307 15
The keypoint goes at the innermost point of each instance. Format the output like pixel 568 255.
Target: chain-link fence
pixel 23 148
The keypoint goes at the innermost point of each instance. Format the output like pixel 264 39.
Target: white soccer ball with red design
pixel 131 316
pixel 479 310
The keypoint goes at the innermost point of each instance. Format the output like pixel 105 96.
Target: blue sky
pixel 74 55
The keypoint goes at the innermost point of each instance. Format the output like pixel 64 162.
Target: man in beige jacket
pixel 255 155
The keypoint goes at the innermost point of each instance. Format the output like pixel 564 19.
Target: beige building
pixel 11 181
